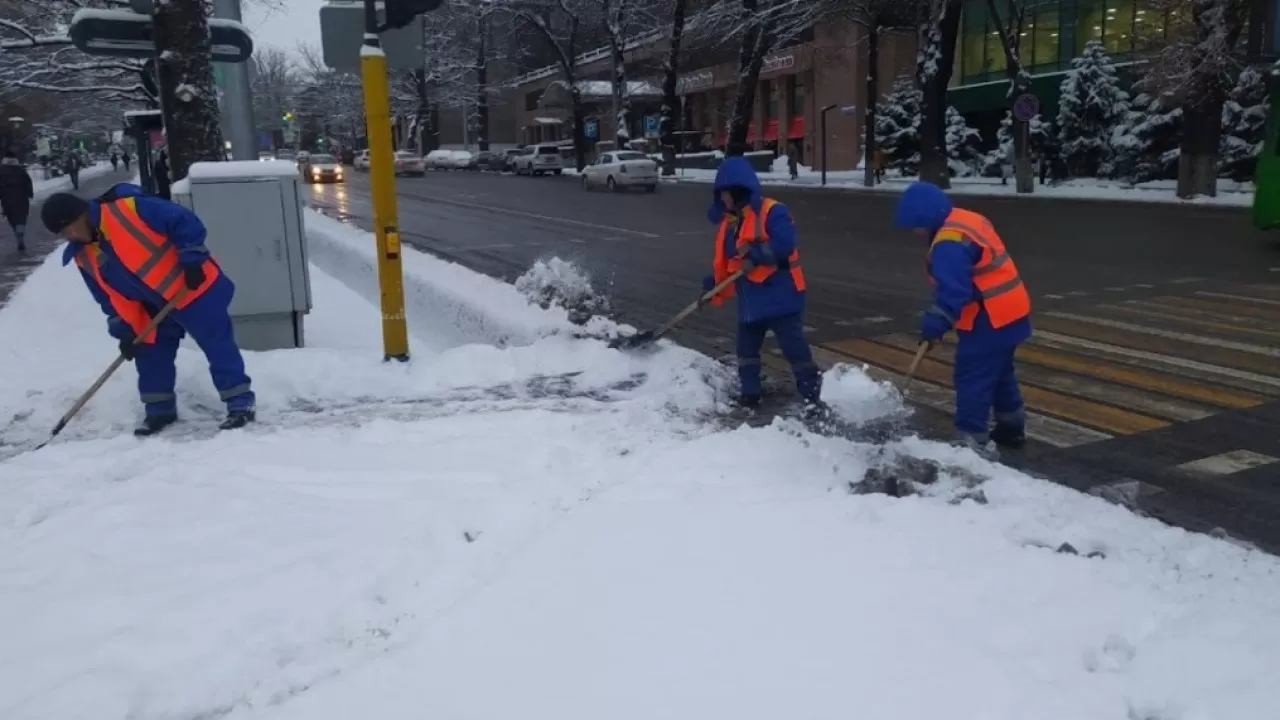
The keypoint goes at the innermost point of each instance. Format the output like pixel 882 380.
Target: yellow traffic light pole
pixel 377 111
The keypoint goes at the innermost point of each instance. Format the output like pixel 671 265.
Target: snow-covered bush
pixel 556 282
pixel 1000 160
pixel 1145 144
pixel 897 126
pixel 1091 106
pixel 963 145
pixel 1244 123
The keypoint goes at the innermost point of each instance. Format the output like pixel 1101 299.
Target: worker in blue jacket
pixel 757 237
pixel 137 254
pixel 979 294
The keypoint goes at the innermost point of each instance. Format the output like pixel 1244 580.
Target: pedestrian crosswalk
pixel 1116 368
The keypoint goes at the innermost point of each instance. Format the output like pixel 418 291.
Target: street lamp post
pixel 17 121
pixel 826 109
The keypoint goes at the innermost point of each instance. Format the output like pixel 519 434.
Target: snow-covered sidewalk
pixel 45 188
pixel 1229 192
pixel 550 529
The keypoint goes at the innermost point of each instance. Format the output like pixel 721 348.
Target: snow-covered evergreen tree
pixel 963 152
pixel 1145 145
pixel 1000 160
pixel 1091 105
pixel 898 126
pixel 1244 122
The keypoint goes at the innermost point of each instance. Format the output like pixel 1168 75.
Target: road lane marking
pixel 1249 313
pixel 1171 335
pixel 1062 374
pixel 1145 286
pixel 1205 323
pixel 1055 297
pixel 1228 463
pixel 1048 430
pixel 1186 281
pixel 1083 412
pixel 535 216
pixel 1044 337
pixel 1242 298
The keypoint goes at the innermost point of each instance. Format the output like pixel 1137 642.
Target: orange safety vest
pixel 147 254
pixel 995 276
pixel 754 229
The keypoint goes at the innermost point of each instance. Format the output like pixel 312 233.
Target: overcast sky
pixel 284 29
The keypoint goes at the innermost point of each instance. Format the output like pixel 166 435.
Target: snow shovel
pixel 115 364
pixel 648 337
pixel 915 365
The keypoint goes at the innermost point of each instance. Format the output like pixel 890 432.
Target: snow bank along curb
pixel 45 188
pixel 440 296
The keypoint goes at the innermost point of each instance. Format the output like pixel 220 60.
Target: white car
pixel 438 160
pixel 408 163
pixel 361 161
pixel 538 160
pixel 621 169
pixel 321 168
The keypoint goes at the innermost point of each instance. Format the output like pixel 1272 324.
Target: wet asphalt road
pixel 1156 364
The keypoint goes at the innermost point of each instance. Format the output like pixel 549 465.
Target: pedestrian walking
pixel 72 169
pixel 115 161
pixel 16 191
pixel 125 157
pixel 756 235
pixel 793 162
pixel 138 253
pixel 979 294
pixel 161 174
pixel 879 160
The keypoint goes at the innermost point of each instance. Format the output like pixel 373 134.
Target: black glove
pixel 194 276
pixel 127 347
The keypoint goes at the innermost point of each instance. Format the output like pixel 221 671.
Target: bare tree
pixel 334 99
pixel 188 99
pixel 939 26
pixel 37 54
pixel 1196 67
pixel 1009 29
pixel 670 76
pixel 276 83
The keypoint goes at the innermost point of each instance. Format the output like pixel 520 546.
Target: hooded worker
pixel 138 253
pixel 979 294
pixel 756 235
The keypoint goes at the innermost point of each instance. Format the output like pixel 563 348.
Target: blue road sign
pixel 591 129
pixel 651 124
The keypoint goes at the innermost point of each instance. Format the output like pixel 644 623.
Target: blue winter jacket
pixel 924 205
pixel 777 296
pixel 180 225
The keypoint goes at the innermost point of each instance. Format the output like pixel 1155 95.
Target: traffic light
pixel 402 12
pixel 288 117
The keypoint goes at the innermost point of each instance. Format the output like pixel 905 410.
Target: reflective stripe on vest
pixel 146 253
pixel 995 277
pixel 134 313
pixel 753 228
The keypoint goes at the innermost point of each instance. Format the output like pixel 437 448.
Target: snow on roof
pixel 247 169
pixel 548 121
pixel 140 113
pixel 111 15
pixel 230 25
pixel 604 88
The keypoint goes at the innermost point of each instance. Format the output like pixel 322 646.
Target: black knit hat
pixel 62 209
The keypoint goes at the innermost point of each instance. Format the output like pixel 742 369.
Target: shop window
pixel 531 99
pixel 972 50
pixel 1045 35
pixel 1118 28
pixel 1089 25
pixel 769 91
pixel 994 60
pixel 795 104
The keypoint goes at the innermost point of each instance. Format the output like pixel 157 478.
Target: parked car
pixel 438 160
pixel 539 160
pixel 621 169
pixel 491 161
pixel 286 155
pixel 464 160
pixel 265 155
pixel 362 160
pixel 321 169
pixel 509 158
pixel 407 162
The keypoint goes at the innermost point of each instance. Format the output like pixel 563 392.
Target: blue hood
pixel 922 205
pixel 734 172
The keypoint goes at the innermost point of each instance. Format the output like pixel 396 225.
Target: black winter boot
pixel 1013 437
pixel 749 401
pixel 153 424
pixel 237 419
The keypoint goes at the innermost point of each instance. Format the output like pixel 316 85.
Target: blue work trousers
pixel 789 331
pixel 985 380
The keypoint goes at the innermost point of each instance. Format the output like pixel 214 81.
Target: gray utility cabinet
pixel 253 212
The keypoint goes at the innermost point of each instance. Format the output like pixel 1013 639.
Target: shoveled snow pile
pixel 549 530
pixel 559 283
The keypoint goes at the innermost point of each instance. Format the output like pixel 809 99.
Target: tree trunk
pixel 756 42
pixel 1201 135
pixel 482 86
pixel 873 92
pixel 188 98
pixel 621 101
pixel 420 110
pixel 579 134
pixel 935 62
pixel 671 101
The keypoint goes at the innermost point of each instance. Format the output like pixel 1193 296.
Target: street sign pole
pixel 823 118
pixel 377 111
pixel 238 102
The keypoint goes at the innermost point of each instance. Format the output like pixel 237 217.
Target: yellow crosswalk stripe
pixel 1090 414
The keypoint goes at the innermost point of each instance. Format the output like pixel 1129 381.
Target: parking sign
pixel 591 129
pixel 651 123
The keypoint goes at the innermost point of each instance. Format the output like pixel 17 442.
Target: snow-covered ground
pixel 1229 192
pixel 550 529
pixel 45 188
